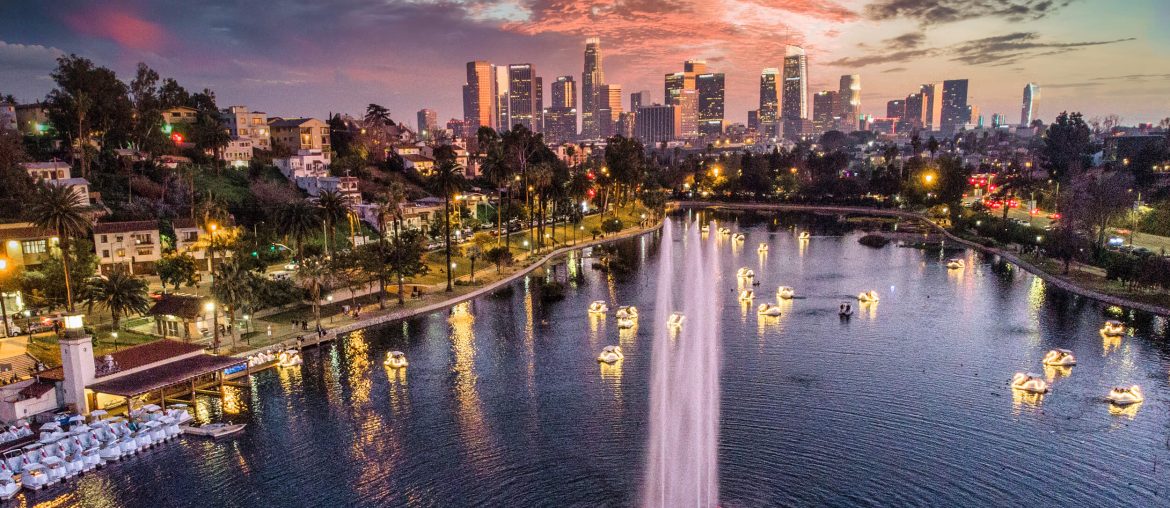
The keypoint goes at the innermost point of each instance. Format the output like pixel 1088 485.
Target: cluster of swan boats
pixel 746 277
pixel 1035 384
pixel 282 358
pixel 627 318
pixel 62 453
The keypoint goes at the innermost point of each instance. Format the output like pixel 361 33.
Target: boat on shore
pixel 213 430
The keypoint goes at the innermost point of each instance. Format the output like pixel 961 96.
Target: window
pixel 190 236
pixel 105 239
pixel 145 251
pixel 118 239
pixel 121 253
pixel 34 246
pixel 257 121
pixel 105 253
pixel 243 132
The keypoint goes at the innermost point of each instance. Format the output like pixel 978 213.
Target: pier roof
pixel 165 375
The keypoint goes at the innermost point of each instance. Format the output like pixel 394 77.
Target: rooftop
pixel 164 375
pixel 125 227
pixel 184 306
pixel 137 356
pixel 23 231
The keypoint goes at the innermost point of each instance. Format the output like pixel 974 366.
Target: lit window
pixel 34 246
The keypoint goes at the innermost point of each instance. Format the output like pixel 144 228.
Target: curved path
pixel 1055 280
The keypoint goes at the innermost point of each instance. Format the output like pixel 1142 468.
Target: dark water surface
pixel 907 404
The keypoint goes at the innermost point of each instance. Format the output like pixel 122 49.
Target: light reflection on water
pixel 504 402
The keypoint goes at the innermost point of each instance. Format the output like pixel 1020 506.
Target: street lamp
pixel 114 336
pixel 3 309
pixel 210 307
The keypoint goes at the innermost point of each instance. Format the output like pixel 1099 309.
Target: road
pixel 1157 244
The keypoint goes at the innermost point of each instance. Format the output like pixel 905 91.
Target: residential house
pixel 134 245
pixel 32 119
pixel 238 152
pixel 24 244
pixel 296 134
pixel 306 163
pixel 191 238
pixel 347 186
pixel 423 164
pixel 52 170
pixel 252 125
pixel 180 114
pixel 8 116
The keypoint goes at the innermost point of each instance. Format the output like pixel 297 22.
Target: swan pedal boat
pixel 868 296
pixel 610 355
pixel 214 429
pixel 396 360
pixel 1060 358
pixel 955 264
pixel 767 309
pixel 1125 395
pixel 1031 383
pixel 598 307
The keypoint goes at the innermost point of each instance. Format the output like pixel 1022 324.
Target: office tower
pixel 850 92
pixel 695 67
pixel 916 111
pixel 502 122
pixel 609 108
pixel 998 120
pixel 591 79
pixel 639 99
pixel 932 106
pixel 564 93
pixel 522 92
pixel 675 82
pixel 428 122
pixel 827 109
pixel 626 124
pixel 896 109
pixel 711 91
pixel 769 113
pixel 795 91
pixel 688 103
pixel 753 122
pixel 538 115
pixel 955 112
pixel 657 124
pixel 1031 104
pixel 560 124
pixel 479 96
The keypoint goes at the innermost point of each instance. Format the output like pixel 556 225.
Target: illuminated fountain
pixel 681 467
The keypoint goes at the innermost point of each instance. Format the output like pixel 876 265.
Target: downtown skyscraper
pixel 591 80
pixel 609 109
pixel 560 118
pixel 850 95
pixel 794 95
pixel 479 97
pixel 1030 109
pixel 955 111
pixel 711 93
pixel 523 92
pixel 768 116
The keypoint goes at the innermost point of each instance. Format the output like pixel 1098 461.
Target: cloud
pixel 909 40
pixel 931 12
pixel 1008 48
pixel 28 57
pixel 883 56
pixel 893 70
pixel 126 28
pixel 1134 77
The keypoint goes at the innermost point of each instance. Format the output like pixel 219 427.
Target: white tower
pixel 77 362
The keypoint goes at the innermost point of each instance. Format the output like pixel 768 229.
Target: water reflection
pixel 1110 343
pixel 1052 372
pixel 1129 411
pixel 1025 400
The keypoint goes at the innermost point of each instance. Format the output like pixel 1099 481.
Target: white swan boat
pixel 1125 395
pixel 110 450
pixel 675 321
pixel 34 477
pixel 803 235
pixel 214 429
pixel 598 307
pixel 704 228
pixel 745 273
pixel 1060 358
pixel 785 293
pixel 746 295
pixel 9 485
pixel 625 323
pixel 610 355
pixel 627 311
pixel 74 465
pixel 396 360
pixel 1113 328
pixel 725 231
pixel 955 263
pixel 289 358
pixel 768 309
pixel 55 469
pixel 762 249
pixel 868 296
pixel 739 237
pixel 1031 383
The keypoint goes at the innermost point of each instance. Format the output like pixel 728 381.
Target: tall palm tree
pixel 331 206
pixel 234 290
pixel 120 293
pixel 298 220
pixel 494 165
pixel 446 180
pixel 315 275
pixel 59 209
pixel 539 179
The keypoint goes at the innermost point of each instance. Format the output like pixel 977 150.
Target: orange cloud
pixel 124 28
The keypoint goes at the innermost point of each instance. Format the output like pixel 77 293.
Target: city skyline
pixel 1083 55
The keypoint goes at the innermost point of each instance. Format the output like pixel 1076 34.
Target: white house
pixel 306 163
pixel 421 163
pixel 347 186
pixel 52 170
pixel 250 125
pixel 134 245
pixel 238 152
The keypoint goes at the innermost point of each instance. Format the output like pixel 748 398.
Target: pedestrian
pixel 269 330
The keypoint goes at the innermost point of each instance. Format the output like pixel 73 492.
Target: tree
pixel 207 132
pixel 314 275
pixel 176 269
pixel 60 209
pixel 119 292
pixel 499 256
pixel 1094 200
pixel 15 181
pixel 234 287
pixel 87 100
pixel 446 180
pixel 494 165
pixel 473 252
pixel 1067 144
pixel 297 220
pixel 1064 243
pixel 331 207
pixel 405 259
pixel 378 115
pixel 953 178
pixel 932 146
pixel 146 130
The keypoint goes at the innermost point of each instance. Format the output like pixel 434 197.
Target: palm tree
pixel 445 180
pixel 473 252
pixel 120 293
pixel 540 178
pixel 315 275
pixel 59 209
pixel 378 115
pixel 233 288
pixel 332 208
pixel 298 220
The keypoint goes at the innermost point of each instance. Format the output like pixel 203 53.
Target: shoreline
pixel 1055 280
pixel 400 314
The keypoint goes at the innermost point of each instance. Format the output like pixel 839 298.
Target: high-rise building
pixel 850 92
pixel 932 106
pixel 827 109
pixel 955 111
pixel 688 103
pixel 626 124
pixel 674 84
pixel 795 91
pixel 639 99
pixel 768 116
pixel 695 67
pixel 896 108
pixel 522 91
pixel 916 112
pixel 711 91
pixel 1031 104
pixel 658 123
pixel 428 122
pixel 501 74
pixel 564 93
pixel 998 120
pixel 560 124
pixel 591 80
pixel 479 96
pixel 753 122
pixel 609 108
pixel 538 113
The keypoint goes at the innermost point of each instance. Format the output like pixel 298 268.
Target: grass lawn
pixel 44 347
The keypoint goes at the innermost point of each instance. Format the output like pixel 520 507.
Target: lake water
pixel 905 404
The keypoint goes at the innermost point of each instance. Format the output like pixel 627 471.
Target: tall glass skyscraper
pixel 591 81
pixel 795 95
pixel 769 113
pixel 1031 104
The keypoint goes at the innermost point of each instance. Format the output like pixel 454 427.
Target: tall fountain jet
pixel 682 465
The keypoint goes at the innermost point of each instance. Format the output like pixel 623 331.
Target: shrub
pixel 875 241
